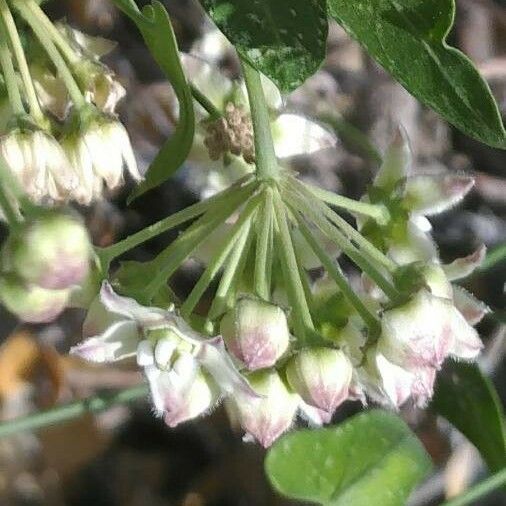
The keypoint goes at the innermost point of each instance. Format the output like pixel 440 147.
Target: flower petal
pixel 472 309
pixel 215 359
pixel 147 317
pixel 396 162
pixel 118 341
pixel 295 135
pixel 432 194
pixel 463 267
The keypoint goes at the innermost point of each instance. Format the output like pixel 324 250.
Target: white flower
pixel 418 196
pixel 39 164
pixel 52 251
pixel 424 331
pixel 185 370
pixel 256 332
pixel 321 376
pixel 99 150
pixel 267 417
pixel 293 134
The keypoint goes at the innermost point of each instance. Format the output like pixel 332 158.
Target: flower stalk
pixel 60 414
pixel 266 163
pixel 17 47
pixel 33 18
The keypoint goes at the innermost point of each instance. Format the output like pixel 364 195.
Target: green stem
pixel 318 218
pixel 17 47
pixel 266 162
pixel 210 108
pixel 94 404
pixel 353 235
pixel 263 259
pixel 336 274
pixel 231 276
pixel 214 266
pixel 302 315
pixel 10 77
pixel 170 259
pixel 484 488
pixel 8 209
pixel 172 221
pixel 61 42
pixel 26 11
pixel 377 212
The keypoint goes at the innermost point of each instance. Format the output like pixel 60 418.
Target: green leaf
pixel 408 38
pixel 284 39
pixel 155 26
pixel 468 400
pixel 373 458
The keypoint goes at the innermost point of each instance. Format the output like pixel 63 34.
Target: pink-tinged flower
pixel 392 385
pixel 321 376
pixel 463 267
pixel 180 390
pixel 410 198
pixel 424 331
pixel 52 252
pixel 184 368
pixel 472 309
pixel 267 417
pixel 256 332
pixel 31 303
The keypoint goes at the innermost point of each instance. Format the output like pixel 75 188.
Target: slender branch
pixel 61 42
pixel 31 17
pixel 94 404
pixel 214 266
pixel 11 80
pixel 263 260
pixel 170 259
pixel 226 291
pixel 354 235
pixel 172 221
pixel 484 488
pixel 377 212
pixel 266 163
pixel 210 108
pixel 336 274
pixel 17 47
pixel 302 315
pixel 341 241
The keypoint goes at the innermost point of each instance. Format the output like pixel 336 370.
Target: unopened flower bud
pixel 256 332
pixel 32 304
pixel 321 376
pixel 267 417
pixel 52 252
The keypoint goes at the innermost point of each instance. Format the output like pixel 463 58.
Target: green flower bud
pixel 256 332
pixel 321 376
pixel 52 252
pixel 32 304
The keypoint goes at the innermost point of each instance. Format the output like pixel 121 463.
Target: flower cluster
pixel 223 148
pixel 60 137
pixel 42 263
pixel 382 341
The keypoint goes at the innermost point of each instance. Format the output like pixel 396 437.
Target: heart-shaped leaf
pixel 284 39
pixel 156 29
pixel 468 400
pixel 373 458
pixel 408 39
